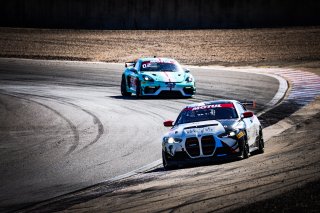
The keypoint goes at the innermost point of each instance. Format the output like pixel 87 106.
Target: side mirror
pixel 247 114
pixel 168 123
pixel 129 64
pixel 186 70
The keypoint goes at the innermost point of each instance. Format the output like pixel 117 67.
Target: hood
pixel 228 124
pixel 167 76
pixel 196 129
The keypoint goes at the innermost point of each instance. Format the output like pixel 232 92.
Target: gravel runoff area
pixel 284 47
pixel 281 46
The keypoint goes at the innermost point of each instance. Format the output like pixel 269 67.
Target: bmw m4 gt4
pixel 211 130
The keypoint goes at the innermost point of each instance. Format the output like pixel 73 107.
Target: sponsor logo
pixel 199 131
pixel 212 106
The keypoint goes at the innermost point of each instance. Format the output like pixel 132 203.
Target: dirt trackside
pixel 279 47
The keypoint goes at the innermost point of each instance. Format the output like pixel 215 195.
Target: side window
pixel 244 109
pixel 241 108
pixel 137 65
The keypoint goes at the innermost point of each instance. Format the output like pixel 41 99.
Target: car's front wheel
pixel 124 88
pixel 138 89
pixel 261 142
pixel 244 148
pixel 167 163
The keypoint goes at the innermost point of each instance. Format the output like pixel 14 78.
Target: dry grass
pixel 205 47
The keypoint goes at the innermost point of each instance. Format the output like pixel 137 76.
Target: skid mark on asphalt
pixel 73 128
pixel 95 120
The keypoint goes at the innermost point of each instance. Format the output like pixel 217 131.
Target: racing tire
pixel 244 148
pixel 124 88
pixel 168 164
pixel 261 143
pixel 138 89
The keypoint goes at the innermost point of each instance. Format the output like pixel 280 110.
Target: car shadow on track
pixel 190 165
pixel 120 97
pixel 197 164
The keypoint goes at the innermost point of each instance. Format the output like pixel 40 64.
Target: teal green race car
pixel 156 76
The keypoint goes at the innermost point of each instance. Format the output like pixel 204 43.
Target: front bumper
pixel 207 147
pixel 182 158
pixel 162 88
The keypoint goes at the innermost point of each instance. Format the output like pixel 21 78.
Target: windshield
pixel 155 66
pixel 205 113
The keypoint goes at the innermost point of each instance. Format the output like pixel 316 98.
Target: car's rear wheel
pixel 261 142
pixel 138 89
pixel 124 88
pixel 167 163
pixel 244 148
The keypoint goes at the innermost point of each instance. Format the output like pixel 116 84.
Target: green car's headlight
pixel 189 79
pixel 147 78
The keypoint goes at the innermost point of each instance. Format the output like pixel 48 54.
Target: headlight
pixel 228 134
pixel 147 78
pixel 172 140
pixel 189 79
pixel 231 134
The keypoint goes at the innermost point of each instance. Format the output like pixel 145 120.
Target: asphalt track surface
pixel 65 126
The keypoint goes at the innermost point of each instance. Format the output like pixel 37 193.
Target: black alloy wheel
pixel 124 88
pixel 168 164
pixel 138 89
pixel 261 142
pixel 245 153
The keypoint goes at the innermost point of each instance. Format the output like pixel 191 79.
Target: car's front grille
pixel 150 90
pixel 166 93
pixel 192 147
pixel 208 145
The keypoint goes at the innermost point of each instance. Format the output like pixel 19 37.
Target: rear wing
pixel 129 64
pixel 246 103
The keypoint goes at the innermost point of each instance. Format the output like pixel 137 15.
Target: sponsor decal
pixel 153 63
pixel 199 130
pixel 210 106
pixel 146 64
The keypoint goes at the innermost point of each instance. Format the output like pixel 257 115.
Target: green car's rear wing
pixel 130 64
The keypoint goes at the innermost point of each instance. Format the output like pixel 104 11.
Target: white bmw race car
pixel 211 130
